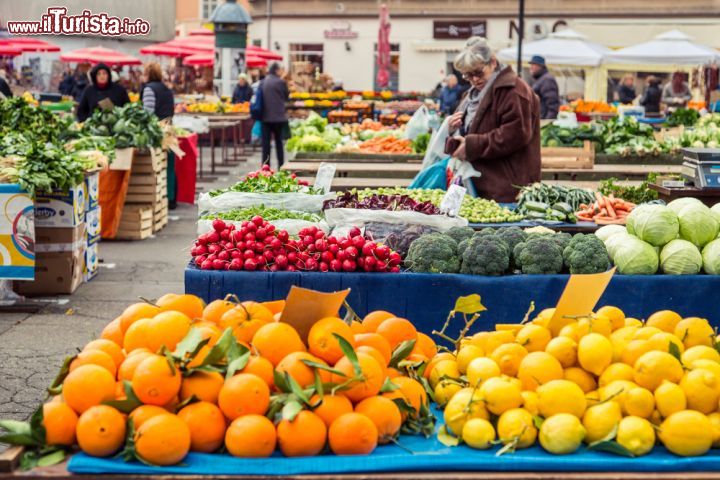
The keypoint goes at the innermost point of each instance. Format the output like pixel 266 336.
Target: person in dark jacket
pixel 450 95
pixel 274 117
pixel 626 90
pixel 243 91
pixel 497 124
pixel 5 91
pixel 155 95
pixel 67 85
pixel 545 87
pixel 652 96
pixel 102 88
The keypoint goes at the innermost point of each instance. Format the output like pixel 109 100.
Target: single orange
pixel 299 371
pixel 135 312
pixel 357 327
pixel 163 440
pixel 376 341
pixel 360 388
pixel 384 414
pixel 204 385
pixel 275 341
pixel 113 332
pixel 94 357
pixel 322 341
pixel 136 335
pixel 190 305
pixel 60 422
pixel 251 436
pixel 409 390
pixel 167 329
pixel 207 426
pixel 435 360
pixel 397 330
pixel 127 369
pixel 100 431
pixel 155 382
pixel 143 413
pixel 262 368
pixel 353 434
pixel 373 352
pixel 303 437
pixel 426 345
pixel 87 386
pixel 331 407
pixel 245 320
pixel 244 394
pixel 216 309
pixel 109 347
pixel 373 320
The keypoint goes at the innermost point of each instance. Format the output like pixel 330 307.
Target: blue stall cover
pixel 426 299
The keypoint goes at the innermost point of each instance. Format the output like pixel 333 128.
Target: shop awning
pixel 670 48
pixel 99 55
pixel 208 60
pixel 30 45
pixel 567 47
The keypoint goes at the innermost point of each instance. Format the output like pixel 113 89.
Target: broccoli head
pixel 433 253
pixel 462 246
pixel 485 255
pixel 512 236
pixel 538 256
pixel 460 233
pixel 586 254
pixel 486 231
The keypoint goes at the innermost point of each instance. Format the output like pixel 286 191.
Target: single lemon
pixel 508 357
pixel 619 339
pixel 633 350
pixel 709 365
pixel 583 379
pixel 561 434
pixel 564 349
pixel 616 390
pixel 594 353
pixel 597 324
pixel 571 330
pixel 538 368
pixel 480 369
pixel 661 341
pixel 694 331
pixel 543 318
pixel 444 391
pixel 636 434
pixel 495 339
pixel 530 402
pixel 463 406
pixel 466 354
pixel 616 371
pixel 616 316
pixel 601 420
pixel 500 394
pixel 478 433
pixel 654 367
pixel 561 396
pixel 669 398
pixel 700 352
pixel 533 337
pixel 665 320
pixel 517 425
pixel 639 402
pixel 444 368
pixel 633 322
pixel 479 340
pixel 701 390
pixel 645 333
pixel 687 433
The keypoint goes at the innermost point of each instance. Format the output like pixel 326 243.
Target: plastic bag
pixel 224 202
pixel 436 146
pixel 433 177
pixel 396 236
pixel 462 170
pixel 341 220
pixel 292 226
pixel 419 123
pixel 192 123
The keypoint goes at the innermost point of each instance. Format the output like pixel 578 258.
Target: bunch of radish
pixel 257 245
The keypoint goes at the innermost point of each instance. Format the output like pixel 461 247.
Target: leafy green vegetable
pixel 279 182
pixel 683 116
pixel 635 194
pixel 420 144
pixel 269 214
pixel 131 125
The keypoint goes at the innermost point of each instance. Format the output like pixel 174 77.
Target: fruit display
pixel 542 201
pixel 366 124
pixel 258 245
pixel 506 250
pixel 342 116
pixel 605 210
pixel 588 106
pixel 267 180
pixel 603 382
pixel 320 96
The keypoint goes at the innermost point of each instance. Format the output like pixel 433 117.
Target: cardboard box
pixel 55 273
pixel 92 190
pixel 48 239
pixel 61 209
pixel 92 220
pixel 17 234
pixel 92 261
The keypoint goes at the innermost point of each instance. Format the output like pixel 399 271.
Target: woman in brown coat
pixel 497 124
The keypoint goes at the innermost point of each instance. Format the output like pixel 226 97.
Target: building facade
pixel 340 37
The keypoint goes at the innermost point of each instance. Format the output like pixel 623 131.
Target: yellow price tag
pixel 304 307
pixel 579 298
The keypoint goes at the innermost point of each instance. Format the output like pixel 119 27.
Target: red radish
pixel 250 264
pixel 236 264
pixel 261 233
pixel 368 249
pixel 324 267
pixel 273 268
pixel 370 262
pixel 236 254
pixel 395 269
pixel 349 266
pixel 351 252
pixel 225 234
pixel 281 261
pixel 247 254
pixel 218 264
pixel 258 220
pixel 382 252
pixel 326 256
pixel 344 243
pixel 218 225
pixel 342 255
pixel 336 265
pixel 212 257
pixel 311 264
pixel 207 265
pixel 213 237
pixel 354 232
pixel 224 255
pixel 292 257
pixel 358 242
pixel 395 259
pixel 334 248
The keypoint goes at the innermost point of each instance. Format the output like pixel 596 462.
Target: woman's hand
pixel 456 120
pixel 460 153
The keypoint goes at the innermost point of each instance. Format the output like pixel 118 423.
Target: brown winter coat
pixel 503 141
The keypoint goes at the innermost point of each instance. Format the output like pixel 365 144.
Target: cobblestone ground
pixel 32 347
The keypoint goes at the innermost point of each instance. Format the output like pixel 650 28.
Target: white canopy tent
pixel 565 50
pixel 670 48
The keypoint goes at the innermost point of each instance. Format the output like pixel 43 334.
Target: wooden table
pixel 709 196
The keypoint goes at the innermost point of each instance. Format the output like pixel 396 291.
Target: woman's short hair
pixel 153 72
pixel 275 68
pixel 475 55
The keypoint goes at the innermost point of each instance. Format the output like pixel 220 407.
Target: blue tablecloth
pixel 426 299
pixel 589 227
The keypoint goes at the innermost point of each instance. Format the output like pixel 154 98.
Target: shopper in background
pixel 546 87
pixel 450 95
pixel 626 90
pixel 274 117
pixel 155 95
pixel 652 96
pixel 497 125
pixel 243 91
pixel 676 92
pixel 5 91
pixel 101 89
pixel 67 84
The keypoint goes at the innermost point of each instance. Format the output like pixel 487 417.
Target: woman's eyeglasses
pixel 476 74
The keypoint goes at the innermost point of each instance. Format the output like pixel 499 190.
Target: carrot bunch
pixel 386 145
pixel 605 210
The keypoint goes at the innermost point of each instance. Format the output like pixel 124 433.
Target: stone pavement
pixel 32 347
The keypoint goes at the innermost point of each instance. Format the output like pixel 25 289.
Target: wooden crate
pixel 160 215
pixel 567 157
pixel 154 159
pixel 136 222
pixel 147 187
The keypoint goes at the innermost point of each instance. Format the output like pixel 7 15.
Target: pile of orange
pixel 335 387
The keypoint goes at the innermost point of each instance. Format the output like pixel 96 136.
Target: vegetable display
pixel 634 194
pixel 605 210
pixel 381 202
pixel 541 201
pixel 131 126
pixel 257 245
pixel 683 116
pixel 552 135
pixel 267 180
pixel 386 145
pixel 266 213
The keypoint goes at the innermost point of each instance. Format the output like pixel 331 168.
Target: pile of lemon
pixel 601 380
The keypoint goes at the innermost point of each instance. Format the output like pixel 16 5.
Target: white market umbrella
pixel 564 48
pixel 669 48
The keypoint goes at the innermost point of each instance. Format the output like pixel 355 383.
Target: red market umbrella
pixel 99 55
pixel 30 45
pixel 167 49
pixel 262 53
pixel 201 32
pixel 9 51
pixel 383 49
pixel 208 60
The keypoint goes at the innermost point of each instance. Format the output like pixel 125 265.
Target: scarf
pixel 475 97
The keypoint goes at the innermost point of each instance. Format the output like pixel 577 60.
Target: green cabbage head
pixel 711 257
pixel 654 224
pixel 680 203
pixel 635 257
pixel 698 225
pixel 680 257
